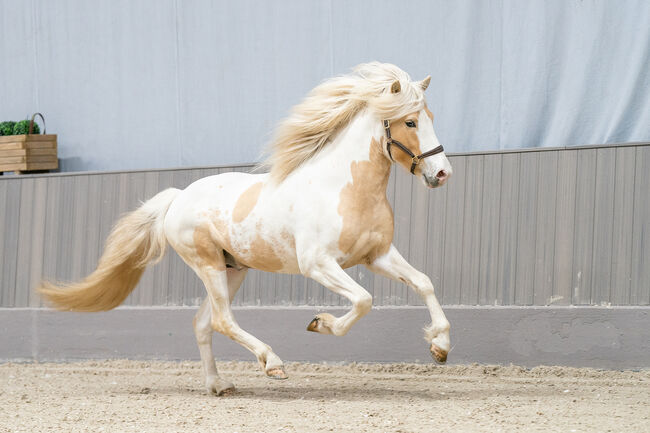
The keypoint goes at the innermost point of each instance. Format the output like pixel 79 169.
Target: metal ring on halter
pixel 415 160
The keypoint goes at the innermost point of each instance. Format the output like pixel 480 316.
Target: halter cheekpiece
pixel 415 160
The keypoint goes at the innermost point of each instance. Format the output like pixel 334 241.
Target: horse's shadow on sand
pixel 347 393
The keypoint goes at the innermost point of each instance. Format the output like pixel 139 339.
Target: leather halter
pixel 415 160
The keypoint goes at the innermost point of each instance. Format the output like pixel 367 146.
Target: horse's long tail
pixel 137 239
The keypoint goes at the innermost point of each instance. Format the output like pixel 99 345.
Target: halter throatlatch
pixel 415 160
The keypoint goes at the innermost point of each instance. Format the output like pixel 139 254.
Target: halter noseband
pixel 415 160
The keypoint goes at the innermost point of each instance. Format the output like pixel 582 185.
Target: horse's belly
pixel 257 244
pixel 266 253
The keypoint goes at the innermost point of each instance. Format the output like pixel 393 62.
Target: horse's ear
pixel 425 83
pixel 396 87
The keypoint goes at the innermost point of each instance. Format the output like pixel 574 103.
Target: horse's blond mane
pixel 332 105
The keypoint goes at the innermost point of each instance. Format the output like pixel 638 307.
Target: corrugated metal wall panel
pixel 508 223
pixel 564 228
pixel 489 230
pixel 584 226
pixel 511 228
pixel 640 274
pixel 452 249
pixel 526 228
pixel 546 211
pixel 622 221
pixel 4 224
pixel 10 242
pixel 601 267
pixel 471 249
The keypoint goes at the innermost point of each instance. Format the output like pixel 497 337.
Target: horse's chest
pixel 366 232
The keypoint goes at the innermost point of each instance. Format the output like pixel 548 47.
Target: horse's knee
pixel 364 303
pixel 423 285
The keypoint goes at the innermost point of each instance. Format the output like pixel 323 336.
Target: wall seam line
pixel 331 37
pixel 629 273
pixel 593 232
pixel 179 125
pixel 35 53
pixel 557 187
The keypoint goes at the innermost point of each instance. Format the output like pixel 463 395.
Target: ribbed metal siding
pixel 564 226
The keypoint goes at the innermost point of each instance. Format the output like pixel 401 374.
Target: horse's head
pixel 412 143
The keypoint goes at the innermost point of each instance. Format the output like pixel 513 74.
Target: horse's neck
pixel 355 156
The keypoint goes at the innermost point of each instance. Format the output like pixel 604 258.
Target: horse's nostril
pixel 441 174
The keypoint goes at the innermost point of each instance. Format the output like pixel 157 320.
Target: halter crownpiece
pixel 415 160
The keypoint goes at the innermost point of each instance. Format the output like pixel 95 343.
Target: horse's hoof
pixel 322 323
pixel 313 325
pixel 277 373
pixel 220 387
pixel 438 355
pixel 225 392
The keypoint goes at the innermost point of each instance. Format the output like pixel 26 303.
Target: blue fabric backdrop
pixel 152 84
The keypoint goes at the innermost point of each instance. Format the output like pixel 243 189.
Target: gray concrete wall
pixel 613 338
pixel 173 83
pixel 543 227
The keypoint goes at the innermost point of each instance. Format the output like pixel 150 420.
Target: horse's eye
pixel 410 124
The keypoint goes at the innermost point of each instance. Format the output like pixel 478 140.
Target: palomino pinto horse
pixel 321 209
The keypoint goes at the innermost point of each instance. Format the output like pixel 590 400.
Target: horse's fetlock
pixel 271 360
pixel 340 332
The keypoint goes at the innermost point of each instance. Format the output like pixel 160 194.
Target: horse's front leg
pixel 393 265
pixel 332 276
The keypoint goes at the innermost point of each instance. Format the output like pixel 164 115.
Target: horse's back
pixel 231 181
pixel 216 190
pixel 206 197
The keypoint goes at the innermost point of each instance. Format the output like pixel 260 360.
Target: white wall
pixel 153 84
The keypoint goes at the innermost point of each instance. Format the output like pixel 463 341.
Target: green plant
pixel 22 127
pixel 7 128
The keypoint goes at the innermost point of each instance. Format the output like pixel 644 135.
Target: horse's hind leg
pixel 222 320
pixel 203 331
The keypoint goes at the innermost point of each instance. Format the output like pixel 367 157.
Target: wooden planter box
pixel 28 152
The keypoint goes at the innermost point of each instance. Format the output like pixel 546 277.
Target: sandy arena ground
pixel 142 396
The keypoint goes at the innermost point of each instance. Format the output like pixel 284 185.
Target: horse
pixel 319 208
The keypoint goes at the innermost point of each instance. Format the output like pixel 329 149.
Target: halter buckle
pixel 415 160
